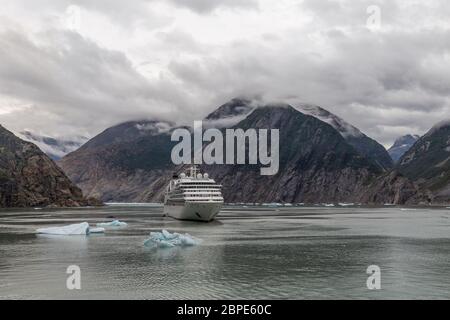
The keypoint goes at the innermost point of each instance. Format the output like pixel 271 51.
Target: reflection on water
pixel 250 253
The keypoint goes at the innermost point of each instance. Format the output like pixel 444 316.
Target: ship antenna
pixel 194 171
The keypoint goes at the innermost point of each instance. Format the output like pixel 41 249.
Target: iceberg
pixel 114 223
pixel 71 230
pixel 272 205
pixel 96 230
pixel 344 204
pixel 165 239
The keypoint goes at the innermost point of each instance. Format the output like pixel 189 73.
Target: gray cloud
pixel 205 6
pixel 77 82
pixel 387 83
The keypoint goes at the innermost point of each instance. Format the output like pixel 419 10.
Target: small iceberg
pixel 96 230
pixel 71 230
pixel 165 239
pixel 343 204
pixel 272 205
pixel 114 223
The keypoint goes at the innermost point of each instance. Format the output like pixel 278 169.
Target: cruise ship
pixel 193 196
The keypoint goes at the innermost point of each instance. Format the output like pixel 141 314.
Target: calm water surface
pixel 249 253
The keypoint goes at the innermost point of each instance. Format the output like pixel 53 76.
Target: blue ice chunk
pixel 168 236
pixel 96 230
pixel 70 230
pixel 114 223
pixel 187 240
pixel 166 239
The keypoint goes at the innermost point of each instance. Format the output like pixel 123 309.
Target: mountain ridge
pixel 427 162
pixel 316 163
pixel 29 178
pixel 401 146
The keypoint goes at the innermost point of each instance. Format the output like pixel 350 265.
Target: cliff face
pixel 428 163
pixel 362 143
pixel 30 178
pixel 131 162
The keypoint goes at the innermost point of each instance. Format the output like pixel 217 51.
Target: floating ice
pixel 343 204
pixel 272 205
pixel 114 223
pixel 165 239
pixel 73 229
pixel 96 230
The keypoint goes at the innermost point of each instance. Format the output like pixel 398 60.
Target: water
pixel 249 253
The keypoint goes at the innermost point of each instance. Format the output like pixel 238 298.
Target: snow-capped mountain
pixel 54 148
pixel 365 145
pixel 401 146
pixel 344 128
pixel 230 113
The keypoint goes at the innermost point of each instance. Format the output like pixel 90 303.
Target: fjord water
pixel 248 253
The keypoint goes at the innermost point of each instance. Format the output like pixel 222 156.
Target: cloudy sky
pixel 76 67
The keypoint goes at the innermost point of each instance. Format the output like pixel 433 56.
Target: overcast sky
pixel 76 67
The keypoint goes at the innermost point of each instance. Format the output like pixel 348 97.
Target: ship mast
pixel 193 171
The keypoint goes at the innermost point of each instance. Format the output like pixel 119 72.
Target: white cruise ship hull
pixel 195 211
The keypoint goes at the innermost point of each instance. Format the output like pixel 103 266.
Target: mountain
pixel 365 145
pixel 54 148
pixel 401 146
pixel 30 178
pixel 427 162
pixel 317 164
pixel 127 163
pixel 230 113
pixel 123 162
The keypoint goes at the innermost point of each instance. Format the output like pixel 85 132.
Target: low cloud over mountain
pixel 77 70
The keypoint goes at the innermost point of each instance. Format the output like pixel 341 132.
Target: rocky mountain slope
pixel 316 165
pixel 365 145
pixel 123 162
pixel 128 163
pixel 30 178
pixel 401 146
pixel 428 163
